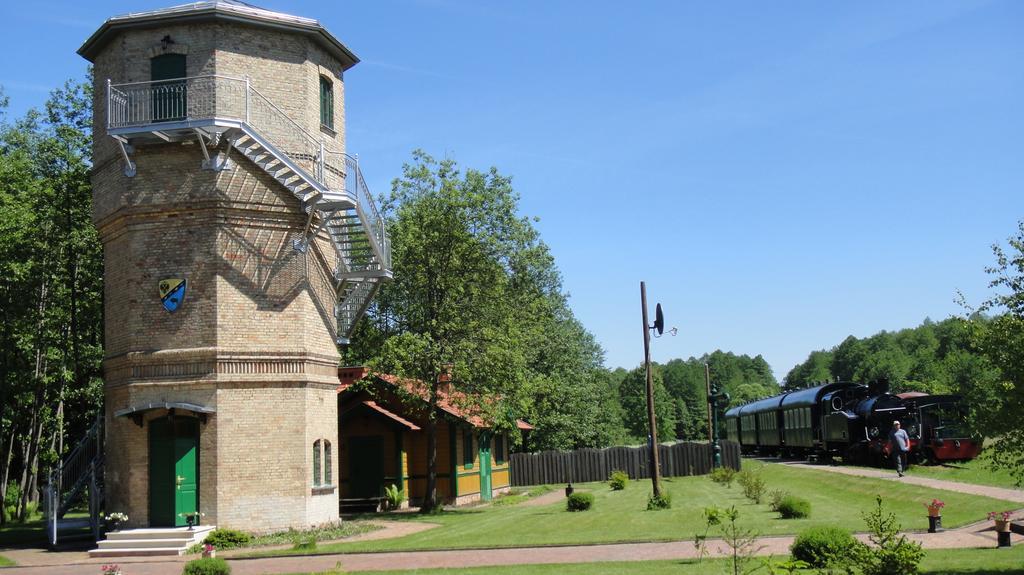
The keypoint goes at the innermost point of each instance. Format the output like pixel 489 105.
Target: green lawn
pixel 621 516
pixel 5 562
pixel 975 471
pixel 26 534
pixel 936 562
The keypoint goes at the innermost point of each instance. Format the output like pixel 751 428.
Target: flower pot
pixel 934 512
pixel 1002 526
pixel 211 553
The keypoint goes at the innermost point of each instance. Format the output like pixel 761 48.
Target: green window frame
pixel 326 102
pixel 499 448
pixel 327 463
pixel 316 462
pixel 467 449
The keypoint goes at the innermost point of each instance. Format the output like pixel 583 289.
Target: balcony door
pixel 169 91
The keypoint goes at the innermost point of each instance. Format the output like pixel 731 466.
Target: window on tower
pixel 326 102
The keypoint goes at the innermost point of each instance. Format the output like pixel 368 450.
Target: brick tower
pixel 240 246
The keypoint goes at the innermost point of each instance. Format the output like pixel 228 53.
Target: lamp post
pixel 716 398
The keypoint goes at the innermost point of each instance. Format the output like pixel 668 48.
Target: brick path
pixel 975 535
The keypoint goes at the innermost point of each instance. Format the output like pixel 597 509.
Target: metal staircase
pixel 226 114
pixel 79 473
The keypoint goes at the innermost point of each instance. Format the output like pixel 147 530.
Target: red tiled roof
pixel 402 421
pixel 447 400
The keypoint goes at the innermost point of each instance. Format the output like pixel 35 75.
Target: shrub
pixel 227 538
pixel 752 484
pixel 657 502
pixel 825 547
pixel 393 497
pixel 307 543
pixel 618 480
pixel 775 497
pixel 723 475
pixel 579 502
pixel 207 566
pixel 892 554
pixel 792 507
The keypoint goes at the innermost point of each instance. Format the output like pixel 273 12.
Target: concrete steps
pixel 150 542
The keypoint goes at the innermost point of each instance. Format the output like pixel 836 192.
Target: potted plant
pixel 209 550
pixel 115 520
pixel 935 515
pixel 1002 519
pixel 192 519
pixel 935 507
pixel 111 569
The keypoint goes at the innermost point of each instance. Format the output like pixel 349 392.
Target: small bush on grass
pixel 618 480
pixel 658 502
pixel 207 566
pixel 579 502
pixel 825 547
pixel 306 543
pixel 393 497
pixel 228 538
pixel 775 497
pixel 792 507
pixel 891 553
pixel 723 476
pixel 752 484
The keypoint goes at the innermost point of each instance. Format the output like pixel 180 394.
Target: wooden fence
pixel 682 458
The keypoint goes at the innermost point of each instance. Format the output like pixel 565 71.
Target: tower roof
pixel 221 11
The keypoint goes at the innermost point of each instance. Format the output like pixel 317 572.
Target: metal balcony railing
pixel 195 100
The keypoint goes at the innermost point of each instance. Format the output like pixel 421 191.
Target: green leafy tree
pixel 1001 341
pixel 633 394
pixel 477 293
pixel 50 286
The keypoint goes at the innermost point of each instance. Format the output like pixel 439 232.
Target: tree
pixel 50 286
pixel 1001 340
pixel 633 394
pixel 476 294
pixel 815 369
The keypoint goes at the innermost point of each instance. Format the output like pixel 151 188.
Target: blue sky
pixel 782 174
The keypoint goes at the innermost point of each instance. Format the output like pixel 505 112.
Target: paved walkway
pixel 36 562
pixel 977 535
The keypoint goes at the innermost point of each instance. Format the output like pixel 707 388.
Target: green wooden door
pixel 173 470
pixel 366 466
pixel 485 466
pixel 169 98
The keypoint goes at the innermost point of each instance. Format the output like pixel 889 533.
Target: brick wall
pixel 254 339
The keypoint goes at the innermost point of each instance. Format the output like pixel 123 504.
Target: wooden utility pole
pixel 707 384
pixel 655 469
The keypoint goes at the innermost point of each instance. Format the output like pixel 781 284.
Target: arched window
pixel 327 462
pixel 316 462
pixel 326 102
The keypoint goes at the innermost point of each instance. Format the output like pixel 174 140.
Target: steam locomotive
pixel 852 421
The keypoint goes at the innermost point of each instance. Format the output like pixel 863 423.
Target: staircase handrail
pixel 218 96
pixel 79 458
pixel 355 185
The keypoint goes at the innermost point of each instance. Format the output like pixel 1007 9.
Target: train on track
pixel 852 421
